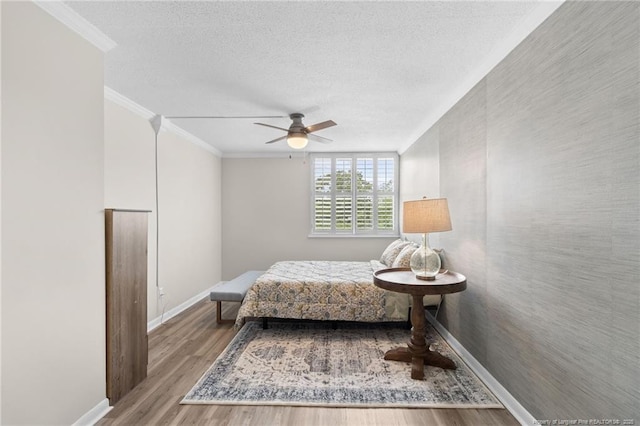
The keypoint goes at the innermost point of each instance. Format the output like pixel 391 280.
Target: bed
pixel 328 290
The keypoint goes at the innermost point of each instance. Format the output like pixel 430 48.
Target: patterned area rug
pixel 311 364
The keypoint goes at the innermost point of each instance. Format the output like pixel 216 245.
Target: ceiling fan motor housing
pixel 296 126
pixel 298 134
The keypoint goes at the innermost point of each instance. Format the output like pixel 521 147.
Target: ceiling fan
pixel 298 135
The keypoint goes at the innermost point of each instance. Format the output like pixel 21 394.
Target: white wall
pixel 189 196
pixel 53 314
pixel 0 212
pixel 190 219
pixel 266 216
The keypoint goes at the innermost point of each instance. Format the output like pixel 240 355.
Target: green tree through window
pixel 363 202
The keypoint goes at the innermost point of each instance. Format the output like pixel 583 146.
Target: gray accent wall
pixel 540 162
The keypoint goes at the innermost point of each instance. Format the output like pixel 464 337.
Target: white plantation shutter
pixel 386 193
pixel 354 194
pixel 364 208
pixel 322 219
pixel 322 194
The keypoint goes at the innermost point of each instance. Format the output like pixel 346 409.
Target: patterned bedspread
pixel 323 290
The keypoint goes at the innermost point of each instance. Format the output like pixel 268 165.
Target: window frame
pixel 376 193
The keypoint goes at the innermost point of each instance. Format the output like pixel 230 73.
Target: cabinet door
pixel 126 286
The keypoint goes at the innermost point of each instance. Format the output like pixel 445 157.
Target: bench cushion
pixel 235 289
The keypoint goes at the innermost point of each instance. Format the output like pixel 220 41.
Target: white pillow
pixel 404 257
pixel 391 252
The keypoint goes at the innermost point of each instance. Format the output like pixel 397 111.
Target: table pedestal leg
pixel 417 352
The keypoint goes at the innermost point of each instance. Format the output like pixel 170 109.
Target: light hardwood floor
pixel 182 349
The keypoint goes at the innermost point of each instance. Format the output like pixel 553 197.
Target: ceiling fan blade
pixel 319 126
pixel 320 139
pixel 281 138
pixel 226 116
pixel 275 127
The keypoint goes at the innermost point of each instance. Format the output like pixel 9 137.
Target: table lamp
pixel 425 216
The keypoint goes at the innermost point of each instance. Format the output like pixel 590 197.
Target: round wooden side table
pixel 417 352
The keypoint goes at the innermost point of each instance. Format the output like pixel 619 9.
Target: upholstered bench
pixel 232 291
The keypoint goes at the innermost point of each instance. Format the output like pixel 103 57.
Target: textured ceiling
pixel 381 70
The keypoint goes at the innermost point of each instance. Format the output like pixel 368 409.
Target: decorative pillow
pixel 404 257
pixel 391 252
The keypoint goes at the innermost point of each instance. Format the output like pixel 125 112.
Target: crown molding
pixel 277 154
pixel 291 154
pixel 178 131
pixel 497 54
pixel 77 23
pixel 127 103
pixel 166 125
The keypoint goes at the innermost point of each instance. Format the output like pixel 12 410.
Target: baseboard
pixel 100 410
pixel 157 322
pixel 509 402
pixel 92 416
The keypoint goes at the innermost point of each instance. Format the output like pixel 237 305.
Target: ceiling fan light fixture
pixel 297 134
pixel 297 140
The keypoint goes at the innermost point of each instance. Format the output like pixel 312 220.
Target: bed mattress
pixel 323 290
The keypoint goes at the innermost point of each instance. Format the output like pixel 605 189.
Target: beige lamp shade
pixel 426 216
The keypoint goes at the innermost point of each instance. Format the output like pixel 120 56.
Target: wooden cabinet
pixel 126 287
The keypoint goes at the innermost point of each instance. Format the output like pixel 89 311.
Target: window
pixel 354 194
